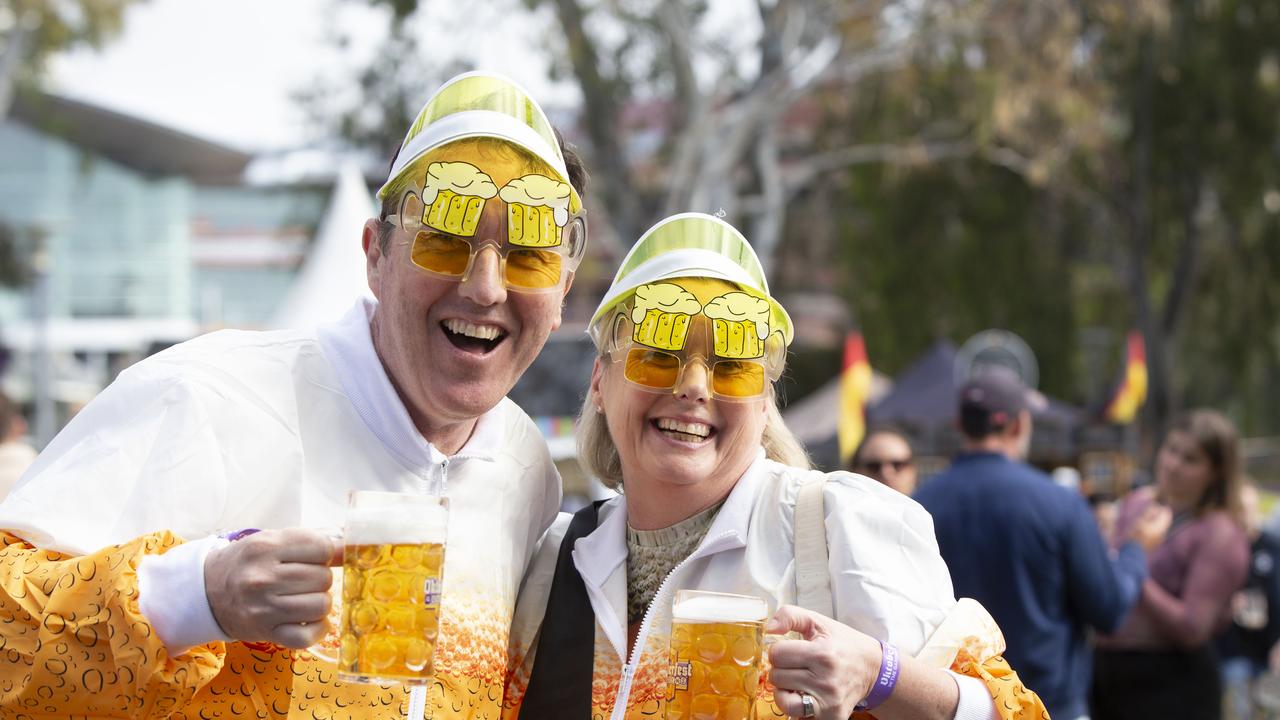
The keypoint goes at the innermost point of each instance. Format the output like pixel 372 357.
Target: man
pixel 885 456
pixel 1027 549
pixel 133 580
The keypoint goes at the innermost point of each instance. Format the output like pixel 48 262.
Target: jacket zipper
pixel 417 702
pixel 417 709
pixel 629 669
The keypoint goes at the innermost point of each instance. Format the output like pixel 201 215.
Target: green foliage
pixel 1142 133
pixel 947 251
pixel 62 25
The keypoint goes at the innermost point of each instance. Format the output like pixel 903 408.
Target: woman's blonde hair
pixel 599 455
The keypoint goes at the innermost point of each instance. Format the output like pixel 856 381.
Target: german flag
pixel 855 385
pixel 1132 391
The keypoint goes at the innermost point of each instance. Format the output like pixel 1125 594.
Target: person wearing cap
pixel 134 580
pixel 681 418
pixel 1028 549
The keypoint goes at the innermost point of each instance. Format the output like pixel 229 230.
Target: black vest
pixel 564 663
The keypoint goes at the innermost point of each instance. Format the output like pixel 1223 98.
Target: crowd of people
pixel 169 553
pixel 1149 611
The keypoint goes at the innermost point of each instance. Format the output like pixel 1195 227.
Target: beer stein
pixel 388 612
pixel 716 643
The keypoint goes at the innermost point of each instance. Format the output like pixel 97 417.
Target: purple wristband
pixel 239 534
pixel 886 681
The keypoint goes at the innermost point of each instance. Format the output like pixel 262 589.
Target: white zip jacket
pixel 267 430
pixel 887 580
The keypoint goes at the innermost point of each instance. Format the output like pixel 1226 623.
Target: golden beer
pixel 392 579
pixel 716 641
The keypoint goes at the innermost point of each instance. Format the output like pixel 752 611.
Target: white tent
pixel 333 275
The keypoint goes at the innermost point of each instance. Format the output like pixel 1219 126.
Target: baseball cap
pixel 990 399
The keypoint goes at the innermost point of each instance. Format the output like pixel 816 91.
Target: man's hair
pixel 577 171
pixel 977 423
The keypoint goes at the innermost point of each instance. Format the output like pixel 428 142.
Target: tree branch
pixel 600 96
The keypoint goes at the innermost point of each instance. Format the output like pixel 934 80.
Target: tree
pixel 1146 135
pixel 1113 157
pixel 723 100
pixel 33 30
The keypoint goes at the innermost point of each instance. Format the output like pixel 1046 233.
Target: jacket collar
pixel 599 554
pixel 348 346
pixel 968 456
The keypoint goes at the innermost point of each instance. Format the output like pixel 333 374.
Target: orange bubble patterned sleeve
pixel 73 642
pixel 1013 700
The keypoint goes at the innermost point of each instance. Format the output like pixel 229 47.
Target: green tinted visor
pixel 479 105
pixel 692 245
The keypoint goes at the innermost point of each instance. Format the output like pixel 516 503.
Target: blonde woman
pixel 681 417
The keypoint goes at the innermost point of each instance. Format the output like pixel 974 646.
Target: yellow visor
pixel 479 105
pixel 693 245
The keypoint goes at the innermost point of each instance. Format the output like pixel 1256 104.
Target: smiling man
pixel 169 551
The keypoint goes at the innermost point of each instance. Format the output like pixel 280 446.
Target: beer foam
pixel 664 297
pixel 739 306
pixel 396 525
pixel 459 177
pixel 720 609
pixel 536 191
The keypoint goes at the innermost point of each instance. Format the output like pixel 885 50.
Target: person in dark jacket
pixel 1028 549
pixel 1246 647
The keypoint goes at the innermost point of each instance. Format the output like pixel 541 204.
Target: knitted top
pixel 652 554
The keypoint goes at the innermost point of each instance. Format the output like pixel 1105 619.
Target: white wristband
pixel 172 597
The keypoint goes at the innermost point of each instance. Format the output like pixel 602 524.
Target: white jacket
pixel 887 580
pixel 273 429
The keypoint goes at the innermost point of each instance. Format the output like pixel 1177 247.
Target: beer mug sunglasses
pixel 661 371
pixel 523 269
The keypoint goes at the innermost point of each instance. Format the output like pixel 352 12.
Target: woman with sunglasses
pixel 885 456
pixel 681 418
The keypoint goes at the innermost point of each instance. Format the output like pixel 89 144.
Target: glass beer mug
pixel 716 642
pixel 388 612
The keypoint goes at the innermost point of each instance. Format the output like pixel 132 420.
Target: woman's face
pixel 1183 470
pixel 679 438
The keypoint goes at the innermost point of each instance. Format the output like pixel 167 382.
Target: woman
pixel 1160 663
pixel 680 416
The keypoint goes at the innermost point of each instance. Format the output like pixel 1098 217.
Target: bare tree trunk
pixel 1159 405
pixel 15 47
pixel 601 113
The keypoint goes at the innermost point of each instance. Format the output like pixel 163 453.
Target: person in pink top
pixel 1160 662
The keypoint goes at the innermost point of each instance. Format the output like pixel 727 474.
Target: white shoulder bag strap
pixel 813 577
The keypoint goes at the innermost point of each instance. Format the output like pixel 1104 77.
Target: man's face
pixel 453 348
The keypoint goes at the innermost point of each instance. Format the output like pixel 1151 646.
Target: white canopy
pixel 333 274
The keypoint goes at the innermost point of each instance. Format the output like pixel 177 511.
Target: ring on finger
pixel 808 706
